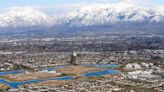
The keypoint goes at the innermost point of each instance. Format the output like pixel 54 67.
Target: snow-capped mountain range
pixel 114 14
pixel 24 17
pixel 119 15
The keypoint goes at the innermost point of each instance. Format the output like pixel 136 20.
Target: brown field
pixel 77 70
pixel 33 76
pixel 3 86
pixel 112 75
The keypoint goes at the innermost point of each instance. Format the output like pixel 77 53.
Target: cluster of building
pixel 78 86
pixel 36 59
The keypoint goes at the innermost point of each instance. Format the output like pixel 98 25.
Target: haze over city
pixel 81 46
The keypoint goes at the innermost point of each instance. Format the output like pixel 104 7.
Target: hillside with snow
pixel 110 16
pixel 116 16
pixel 24 17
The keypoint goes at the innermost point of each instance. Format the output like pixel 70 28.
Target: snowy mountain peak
pixel 24 16
pixel 113 14
pixel 109 15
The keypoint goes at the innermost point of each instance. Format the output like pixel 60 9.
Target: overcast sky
pixel 65 5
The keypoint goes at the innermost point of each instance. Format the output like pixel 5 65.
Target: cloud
pixel 60 8
pixel 64 7
pixel 138 2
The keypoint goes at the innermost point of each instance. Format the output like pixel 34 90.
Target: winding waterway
pixel 90 74
pixel 17 84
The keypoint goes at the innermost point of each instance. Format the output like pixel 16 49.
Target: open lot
pixel 77 70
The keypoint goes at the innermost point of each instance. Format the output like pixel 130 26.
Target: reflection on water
pixel 102 65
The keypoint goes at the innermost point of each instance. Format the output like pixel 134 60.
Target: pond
pixel 102 65
pixel 10 72
pixel 101 73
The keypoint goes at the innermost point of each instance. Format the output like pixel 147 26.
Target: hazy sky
pixel 48 5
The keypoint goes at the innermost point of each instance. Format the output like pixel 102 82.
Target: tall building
pixel 73 58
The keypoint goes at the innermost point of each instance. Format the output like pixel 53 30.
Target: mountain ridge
pixel 115 16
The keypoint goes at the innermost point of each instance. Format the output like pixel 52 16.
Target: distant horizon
pixel 60 6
